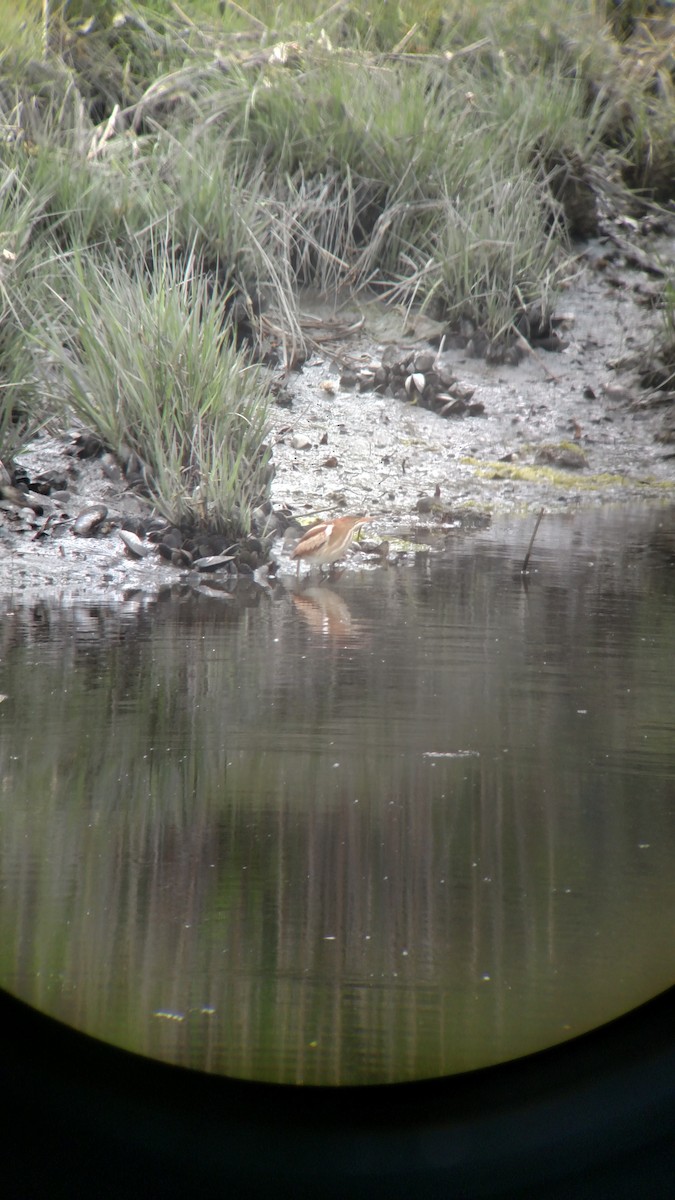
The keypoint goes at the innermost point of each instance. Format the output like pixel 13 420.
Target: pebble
pixel 213 562
pixel 135 546
pixel 89 520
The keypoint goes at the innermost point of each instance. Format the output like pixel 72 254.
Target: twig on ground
pixel 527 347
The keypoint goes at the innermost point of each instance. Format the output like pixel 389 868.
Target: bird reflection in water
pixel 327 614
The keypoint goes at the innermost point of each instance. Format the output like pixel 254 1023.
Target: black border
pixel 593 1117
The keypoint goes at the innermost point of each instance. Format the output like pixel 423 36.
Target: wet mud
pixel 423 432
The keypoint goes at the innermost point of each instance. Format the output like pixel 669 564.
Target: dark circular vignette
pixel 593 1117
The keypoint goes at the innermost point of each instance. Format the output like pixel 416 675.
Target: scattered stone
pixel 423 378
pixel 134 545
pixel 27 519
pixel 348 379
pixel 111 467
pixel 461 392
pixel 390 356
pixel 172 537
pixel 49 482
pixel 381 380
pixel 366 379
pixel 181 558
pixel 213 562
pixel 424 361
pixel 451 406
pixel 90 520
pixel 415 383
pixel 282 395
pixel 137 525
pixel 87 445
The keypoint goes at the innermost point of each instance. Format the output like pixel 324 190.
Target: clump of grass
pixel 21 209
pixel 495 256
pixel 403 178
pixel 444 157
pixel 220 205
pixel 149 365
pixel 19 418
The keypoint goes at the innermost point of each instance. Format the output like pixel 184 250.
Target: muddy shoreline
pixel 561 430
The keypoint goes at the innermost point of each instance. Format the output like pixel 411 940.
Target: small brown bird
pixel 327 542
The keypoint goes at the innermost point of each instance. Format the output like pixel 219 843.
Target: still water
pixel 411 822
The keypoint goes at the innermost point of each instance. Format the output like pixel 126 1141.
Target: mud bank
pixel 556 430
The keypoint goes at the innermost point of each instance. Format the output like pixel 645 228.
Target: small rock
pixel 49 482
pixel 90 520
pixel 133 524
pixel 415 383
pixel 27 516
pixel 424 361
pixel 87 445
pixel 110 467
pixel 348 379
pixel 450 406
pixel 390 356
pixel 381 379
pixel 461 391
pixel 213 563
pixel 134 545
pixel 478 345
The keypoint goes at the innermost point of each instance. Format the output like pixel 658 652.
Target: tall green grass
pixel 148 363
pixel 424 152
pixel 22 206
